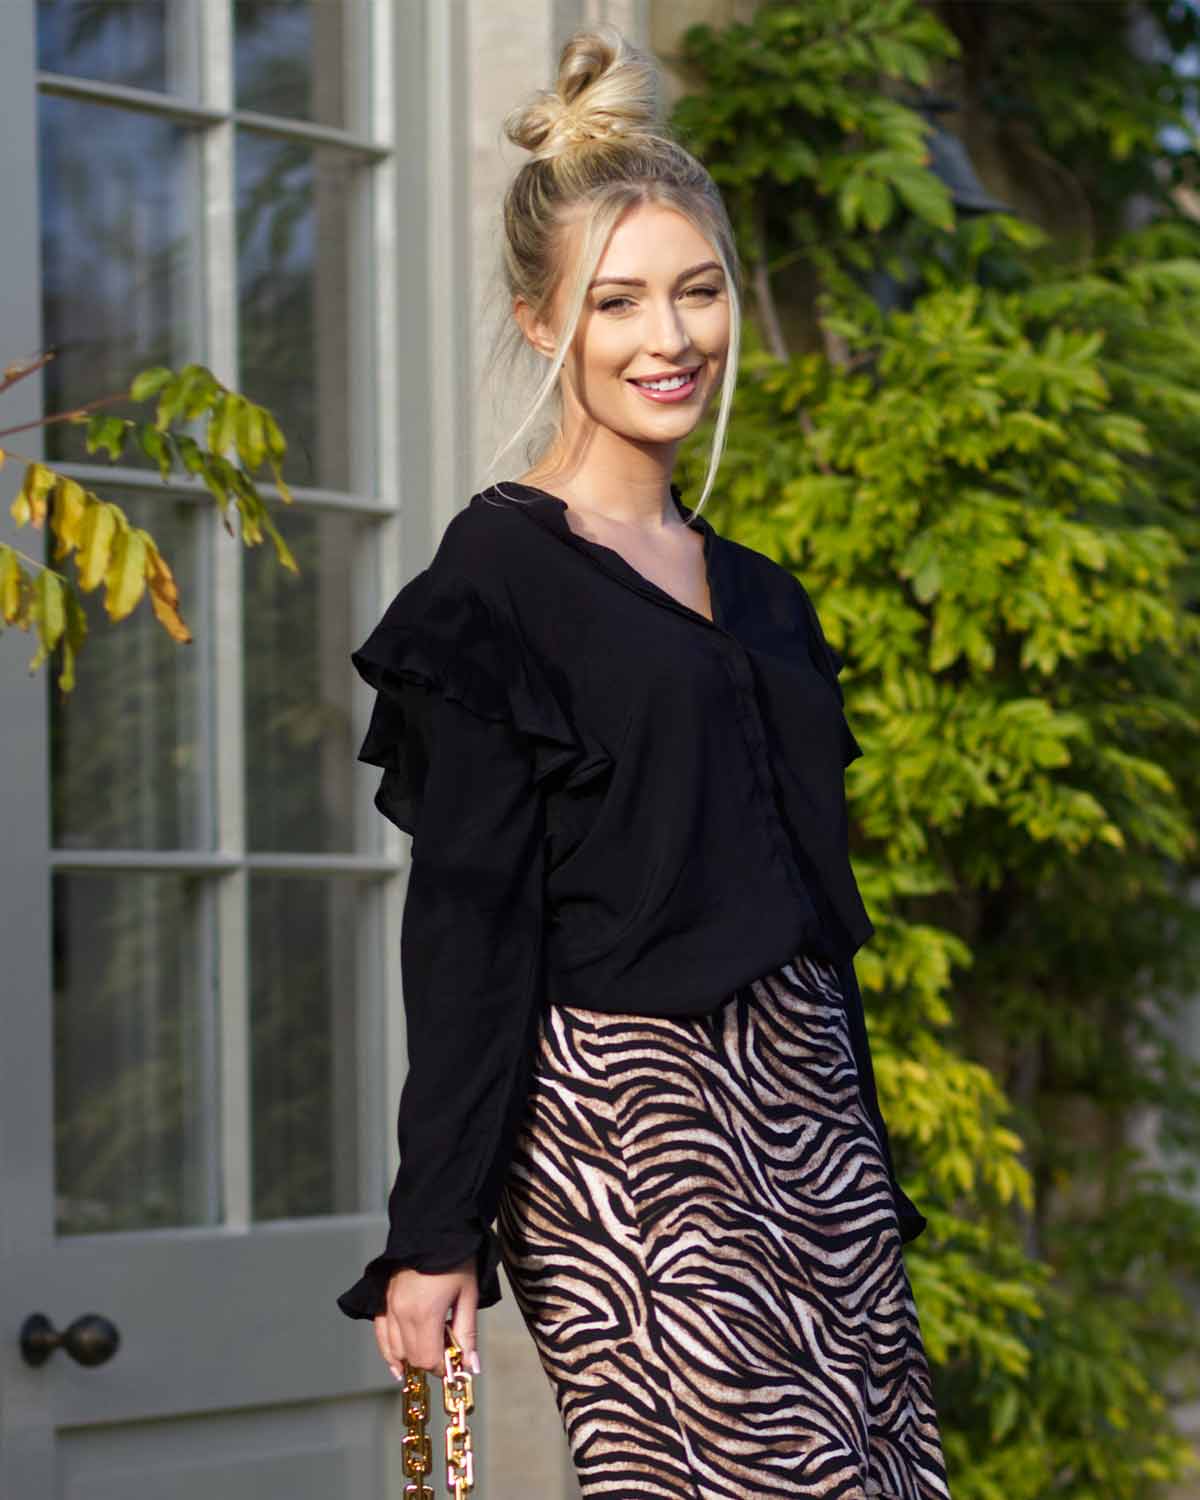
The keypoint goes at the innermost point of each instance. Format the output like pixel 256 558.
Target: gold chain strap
pixel 458 1398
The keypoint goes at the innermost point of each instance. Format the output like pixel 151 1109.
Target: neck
pixel 601 471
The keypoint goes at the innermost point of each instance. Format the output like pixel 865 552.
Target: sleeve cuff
pixel 367 1298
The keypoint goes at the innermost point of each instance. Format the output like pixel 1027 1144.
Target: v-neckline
pixel 563 527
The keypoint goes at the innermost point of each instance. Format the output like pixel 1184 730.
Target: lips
pixel 676 386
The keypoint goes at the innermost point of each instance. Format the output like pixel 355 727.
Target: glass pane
pixel 127 759
pixel 306 1076
pixel 301 773
pixel 117 255
pixel 293 59
pixel 109 41
pixel 297 293
pixel 134 1105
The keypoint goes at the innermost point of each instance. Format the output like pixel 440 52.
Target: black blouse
pixel 614 802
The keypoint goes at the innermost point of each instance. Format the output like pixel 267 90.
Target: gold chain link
pixel 458 1398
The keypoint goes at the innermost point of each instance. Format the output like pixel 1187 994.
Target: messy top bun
pixel 598 148
pixel 605 90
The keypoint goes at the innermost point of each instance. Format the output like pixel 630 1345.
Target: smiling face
pixel 653 335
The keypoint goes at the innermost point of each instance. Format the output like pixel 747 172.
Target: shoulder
pixel 490 547
pixel 489 558
pixel 784 597
pixel 779 586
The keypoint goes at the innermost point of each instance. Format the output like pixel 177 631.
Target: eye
pixel 706 292
pixel 615 304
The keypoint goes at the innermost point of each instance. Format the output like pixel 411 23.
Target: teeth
pixel 671 383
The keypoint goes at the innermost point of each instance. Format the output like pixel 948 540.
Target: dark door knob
pixel 89 1340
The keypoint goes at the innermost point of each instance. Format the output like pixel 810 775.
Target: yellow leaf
pixel 73 638
pixel 67 508
pixel 3 457
pixel 51 610
pixel 164 593
pixel 12 592
pixel 126 578
pixel 30 504
pixel 95 544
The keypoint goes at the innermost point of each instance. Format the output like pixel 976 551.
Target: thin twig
pixel 64 416
pixel 21 369
pixel 33 562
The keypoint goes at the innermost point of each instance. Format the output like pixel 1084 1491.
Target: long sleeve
pixel 910 1218
pixel 461 775
pixel 912 1222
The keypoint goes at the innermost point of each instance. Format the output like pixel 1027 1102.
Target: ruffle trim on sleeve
pixel 829 662
pixel 440 635
pixel 442 1251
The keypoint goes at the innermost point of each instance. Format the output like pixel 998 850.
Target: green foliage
pixel 991 492
pixel 97 533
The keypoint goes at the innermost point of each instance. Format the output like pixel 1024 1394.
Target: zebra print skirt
pixel 698 1230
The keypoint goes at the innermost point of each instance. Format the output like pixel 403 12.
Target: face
pixel 653 336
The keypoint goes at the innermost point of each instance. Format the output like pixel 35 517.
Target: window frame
pixel 226 868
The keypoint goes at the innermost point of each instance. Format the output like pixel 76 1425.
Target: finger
pixel 464 1324
pixel 387 1347
pixel 424 1340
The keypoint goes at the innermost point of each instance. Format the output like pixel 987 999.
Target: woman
pixel 639 1071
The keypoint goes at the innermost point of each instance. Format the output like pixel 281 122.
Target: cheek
pixel 605 354
pixel 710 331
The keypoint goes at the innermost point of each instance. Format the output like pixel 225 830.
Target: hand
pixel 412 1329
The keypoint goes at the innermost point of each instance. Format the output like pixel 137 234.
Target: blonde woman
pixel 639 1071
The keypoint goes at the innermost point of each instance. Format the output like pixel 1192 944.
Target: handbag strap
pixel 458 1398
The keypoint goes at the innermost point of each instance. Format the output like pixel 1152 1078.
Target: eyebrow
pixel 707 265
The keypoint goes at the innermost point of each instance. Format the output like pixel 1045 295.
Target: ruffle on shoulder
pixel 439 634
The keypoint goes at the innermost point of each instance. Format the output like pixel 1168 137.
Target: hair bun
pixel 605 89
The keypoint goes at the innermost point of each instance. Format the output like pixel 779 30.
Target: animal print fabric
pixel 698 1230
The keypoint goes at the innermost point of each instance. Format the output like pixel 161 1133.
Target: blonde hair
pixel 597 145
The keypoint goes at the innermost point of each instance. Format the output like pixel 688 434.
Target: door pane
pixel 293 58
pixel 133 42
pixel 135 1055
pixel 297 297
pixel 118 263
pixel 306 1072
pixel 301 774
pixel 127 756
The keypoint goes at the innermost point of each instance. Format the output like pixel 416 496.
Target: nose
pixel 667 336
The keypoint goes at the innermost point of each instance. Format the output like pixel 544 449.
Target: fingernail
pixel 398 1373
pixel 473 1361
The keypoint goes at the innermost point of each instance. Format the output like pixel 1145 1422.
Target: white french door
pixel 194 889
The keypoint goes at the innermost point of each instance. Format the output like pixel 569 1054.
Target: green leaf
pixel 925 195
pixel 50 613
pixel 154 446
pixel 73 638
pixel 107 432
pixel 222 427
pixel 251 435
pixel 149 382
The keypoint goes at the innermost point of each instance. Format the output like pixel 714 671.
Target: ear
pixel 536 333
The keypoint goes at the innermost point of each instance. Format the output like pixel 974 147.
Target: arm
pixel 910 1218
pixel 463 783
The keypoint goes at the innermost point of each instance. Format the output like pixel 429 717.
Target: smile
pixel 668 387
